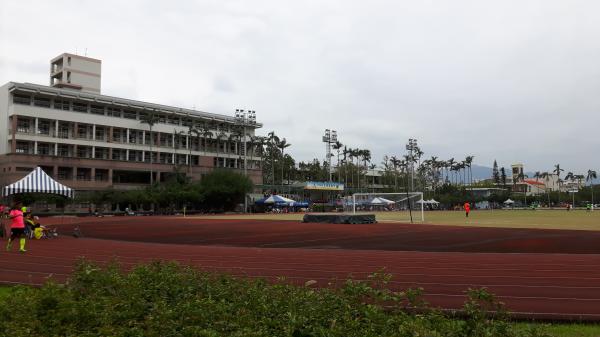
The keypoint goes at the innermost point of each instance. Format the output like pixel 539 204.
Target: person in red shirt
pixel 17 227
pixel 467 208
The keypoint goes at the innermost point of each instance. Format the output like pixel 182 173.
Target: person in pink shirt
pixel 17 227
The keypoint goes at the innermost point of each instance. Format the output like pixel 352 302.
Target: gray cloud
pixel 515 81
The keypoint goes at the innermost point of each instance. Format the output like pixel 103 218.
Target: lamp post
pixel 243 119
pixel 411 147
pixel 329 137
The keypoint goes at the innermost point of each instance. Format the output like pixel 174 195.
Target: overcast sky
pixel 516 81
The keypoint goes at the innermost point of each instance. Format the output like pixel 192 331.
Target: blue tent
pixel 275 200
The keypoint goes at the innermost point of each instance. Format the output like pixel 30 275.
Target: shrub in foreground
pixel 167 299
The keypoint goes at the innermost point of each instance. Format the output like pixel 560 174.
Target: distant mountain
pixel 482 172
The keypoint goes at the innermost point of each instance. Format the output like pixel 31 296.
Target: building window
pixel 129 114
pixel 23 125
pixel 43 149
pixel 68 77
pixel 41 102
pixel 43 127
pixel 63 150
pixel 97 109
pixel 172 120
pixel 99 133
pixel 101 153
pixel 82 131
pixel 113 112
pixel 63 131
pixel 101 175
pixel 80 107
pixel 61 105
pixel 84 152
pixel 21 99
pixel 133 136
pixel 22 147
pixel 82 174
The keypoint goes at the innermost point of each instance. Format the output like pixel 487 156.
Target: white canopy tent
pixel 277 199
pixel 509 202
pixel 433 202
pixel 381 201
pixel 38 182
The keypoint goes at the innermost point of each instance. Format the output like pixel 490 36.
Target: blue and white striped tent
pixel 275 199
pixel 38 182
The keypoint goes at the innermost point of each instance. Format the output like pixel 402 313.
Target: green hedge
pixel 166 299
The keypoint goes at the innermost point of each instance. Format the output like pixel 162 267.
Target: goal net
pixel 401 206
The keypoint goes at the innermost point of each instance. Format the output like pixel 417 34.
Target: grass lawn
pixel 4 291
pixel 547 219
pixel 567 330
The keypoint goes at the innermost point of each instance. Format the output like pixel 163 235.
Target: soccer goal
pixel 404 206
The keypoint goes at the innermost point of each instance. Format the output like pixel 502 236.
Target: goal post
pixel 405 204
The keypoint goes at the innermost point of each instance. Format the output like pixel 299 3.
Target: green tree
pixel 503 176
pixel 222 190
pixel 591 175
pixel 496 173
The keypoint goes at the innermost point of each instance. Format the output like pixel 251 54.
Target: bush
pixel 166 299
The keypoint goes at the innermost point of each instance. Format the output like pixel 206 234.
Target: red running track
pixel 537 285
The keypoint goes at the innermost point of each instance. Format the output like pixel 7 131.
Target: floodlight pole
pixel 329 137
pixel 411 147
pixel 245 119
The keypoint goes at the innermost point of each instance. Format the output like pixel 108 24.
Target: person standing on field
pixel 467 208
pixel 17 227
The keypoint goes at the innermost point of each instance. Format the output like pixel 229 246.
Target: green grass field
pixel 4 291
pixel 547 219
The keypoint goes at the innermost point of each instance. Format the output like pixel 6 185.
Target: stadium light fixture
pixel 329 137
pixel 245 119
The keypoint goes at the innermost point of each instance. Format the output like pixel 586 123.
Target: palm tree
pixel 468 163
pixel 372 168
pixel 569 176
pixel 191 129
pixel 176 144
pixel 345 153
pixel 350 153
pixel 546 176
pixel 356 154
pixel 366 158
pixel 150 118
pixel 272 144
pixel 337 146
pixel 434 166
pixel 282 145
pixel 395 164
pixel 591 175
pixel 235 137
pixel 449 167
pixel 557 170
pixel 218 137
pixel 206 133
